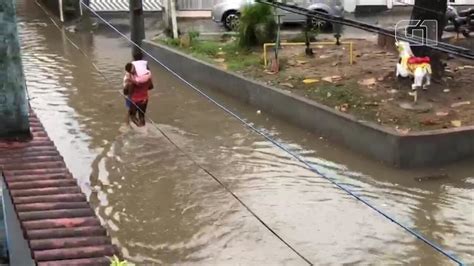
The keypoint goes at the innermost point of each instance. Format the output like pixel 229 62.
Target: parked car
pixel 228 12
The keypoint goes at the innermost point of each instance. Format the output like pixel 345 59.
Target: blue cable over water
pixel 215 178
pixel 411 231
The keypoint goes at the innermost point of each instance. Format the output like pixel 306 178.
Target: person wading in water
pixel 138 93
pixel 127 84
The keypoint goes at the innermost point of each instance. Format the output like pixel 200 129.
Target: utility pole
pixel 174 22
pixel 13 102
pixel 137 24
pixel 169 17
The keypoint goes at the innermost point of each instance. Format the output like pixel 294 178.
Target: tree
pixel 431 10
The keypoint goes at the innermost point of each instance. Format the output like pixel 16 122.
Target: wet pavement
pixel 159 207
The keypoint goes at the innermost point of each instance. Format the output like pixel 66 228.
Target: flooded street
pixel 161 208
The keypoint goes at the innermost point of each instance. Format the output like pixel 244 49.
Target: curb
pixel 417 149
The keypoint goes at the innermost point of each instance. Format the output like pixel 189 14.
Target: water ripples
pixel 161 208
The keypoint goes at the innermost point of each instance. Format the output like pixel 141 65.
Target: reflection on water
pixel 161 208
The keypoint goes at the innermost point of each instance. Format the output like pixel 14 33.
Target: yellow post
pixel 351 54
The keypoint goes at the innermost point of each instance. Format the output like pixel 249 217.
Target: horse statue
pixel 410 66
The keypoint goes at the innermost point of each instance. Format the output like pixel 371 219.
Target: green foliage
pixel 235 58
pixel 257 25
pixel 243 62
pixel 205 47
pixel 115 261
pixel 193 35
pixel 171 42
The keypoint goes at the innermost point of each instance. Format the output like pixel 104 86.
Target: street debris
pixel 371 104
pixel 368 82
pixel 344 107
pixel 456 123
pixel 442 113
pixel 289 85
pixel 402 131
pixel 435 177
pixel 459 104
pixel 332 79
pixel 465 67
pixel 310 81
pixel 429 122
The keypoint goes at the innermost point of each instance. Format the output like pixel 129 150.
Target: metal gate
pixel 122 5
pixel 196 4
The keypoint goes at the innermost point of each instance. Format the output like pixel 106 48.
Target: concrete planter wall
pixel 411 150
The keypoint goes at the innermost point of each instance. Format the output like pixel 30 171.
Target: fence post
pixel 61 10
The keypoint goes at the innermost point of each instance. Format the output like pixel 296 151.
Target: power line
pixel 296 156
pixel 215 178
pixel 309 166
pixel 439 46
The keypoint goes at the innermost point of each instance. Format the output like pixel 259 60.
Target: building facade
pixel 188 5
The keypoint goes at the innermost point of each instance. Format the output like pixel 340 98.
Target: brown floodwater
pixel 160 208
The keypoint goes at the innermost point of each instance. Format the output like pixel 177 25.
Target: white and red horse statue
pixel 417 67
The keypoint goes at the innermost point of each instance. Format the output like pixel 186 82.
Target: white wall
pixel 350 5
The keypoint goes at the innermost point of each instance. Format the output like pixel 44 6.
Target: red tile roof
pixel 58 223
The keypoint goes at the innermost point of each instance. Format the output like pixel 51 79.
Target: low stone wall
pixel 370 139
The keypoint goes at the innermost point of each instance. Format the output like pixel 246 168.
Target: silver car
pixel 227 12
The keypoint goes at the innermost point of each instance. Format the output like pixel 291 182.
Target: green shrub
pixel 193 35
pixel 206 47
pixel 257 25
pixel 172 42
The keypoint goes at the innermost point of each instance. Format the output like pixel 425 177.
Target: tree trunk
pixel 426 11
pixel 13 95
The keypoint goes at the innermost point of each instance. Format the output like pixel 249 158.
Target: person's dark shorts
pixel 128 103
pixel 139 107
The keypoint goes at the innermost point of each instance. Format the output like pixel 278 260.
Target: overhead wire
pixel 309 166
pixel 215 178
pixel 281 146
pixel 433 44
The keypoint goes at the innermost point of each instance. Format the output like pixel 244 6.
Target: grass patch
pixel 333 94
pixel 234 57
pixel 344 95
pixel 207 48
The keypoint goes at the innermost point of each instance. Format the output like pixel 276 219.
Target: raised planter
pixel 416 149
